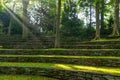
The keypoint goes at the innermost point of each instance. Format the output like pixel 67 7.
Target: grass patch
pixel 64 66
pixel 23 77
pixel 62 56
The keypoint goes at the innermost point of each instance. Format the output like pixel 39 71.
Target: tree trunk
pixel 102 17
pixel 9 27
pixel 25 18
pixel 116 18
pixel 90 24
pixel 97 36
pixel 57 35
pixel 10 24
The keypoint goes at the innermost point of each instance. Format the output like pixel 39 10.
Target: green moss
pixel 104 40
pixel 65 66
pixel 57 49
pixel 23 77
pixel 62 56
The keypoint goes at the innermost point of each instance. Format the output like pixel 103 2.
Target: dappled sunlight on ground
pixel 88 68
pixel 63 66
pixel 108 70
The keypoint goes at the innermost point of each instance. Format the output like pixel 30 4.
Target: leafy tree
pixel 87 6
pixel 72 26
pixel 1 2
pixel 4 20
pixel 42 16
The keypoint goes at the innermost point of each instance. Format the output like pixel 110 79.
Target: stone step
pixel 81 60
pixel 18 42
pixel 112 37
pixel 19 38
pixel 1 47
pixel 103 42
pixel 94 46
pixel 112 42
pixel 15 41
pixel 73 52
pixel 61 71
pixel 28 45
pixel 24 77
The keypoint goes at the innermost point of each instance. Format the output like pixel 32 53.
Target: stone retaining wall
pixel 104 46
pixel 81 61
pixel 58 73
pixel 83 52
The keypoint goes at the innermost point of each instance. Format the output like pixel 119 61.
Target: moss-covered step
pixel 32 42
pixel 92 46
pixel 82 60
pixel 112 37
pixel 23 77
pixel 101 41
pixel 1 47
pixel 113 42
pixel 75 52
pixel 92 42
pixel 61 71
pixel 27 45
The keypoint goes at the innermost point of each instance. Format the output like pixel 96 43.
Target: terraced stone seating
pixel 32 42
pixel 78 63
pixel 104 44
pixel 63 64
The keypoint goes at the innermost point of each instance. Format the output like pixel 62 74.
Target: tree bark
pixel 97 36
pixel 102 17
pixel 116 18
pixel 90 24
pixel 25 18
pixel 10 24
pixel 57 35
pixel 9 27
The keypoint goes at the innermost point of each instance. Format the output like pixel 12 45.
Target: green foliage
pixel 44 14
pixel 90 32
pixel 4 18
pixel 71 25
pixel 16 27
pixel 1 6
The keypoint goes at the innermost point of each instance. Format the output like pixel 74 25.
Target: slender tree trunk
pixel 90 24
pixel 24 31
pixel 57 35
pixel 10 24
pixel 97 36
pixel 102 17
pixel 55 18
pixel 9 27
pixel 25 18
pixel 116 18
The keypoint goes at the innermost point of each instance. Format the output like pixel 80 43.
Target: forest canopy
pixel 63 18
